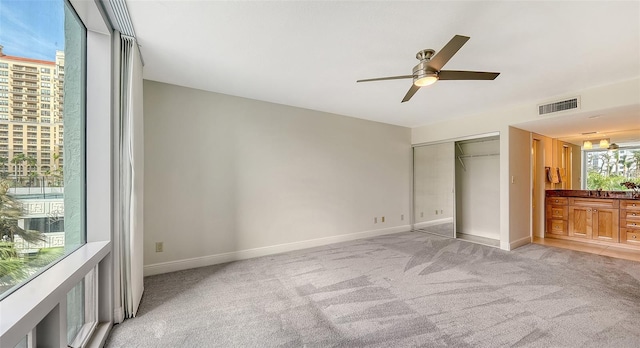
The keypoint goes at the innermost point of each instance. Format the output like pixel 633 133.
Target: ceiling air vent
pixel 564 105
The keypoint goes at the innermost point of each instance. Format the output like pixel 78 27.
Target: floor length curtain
pixel 131 177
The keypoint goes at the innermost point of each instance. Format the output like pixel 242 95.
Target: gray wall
pixel 225 174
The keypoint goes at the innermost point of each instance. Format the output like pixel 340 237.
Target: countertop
pixel 591 194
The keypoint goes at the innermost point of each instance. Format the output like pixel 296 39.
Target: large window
pixel 42 210
pixel 607 169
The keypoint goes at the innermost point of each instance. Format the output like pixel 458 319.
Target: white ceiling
pixel 310 53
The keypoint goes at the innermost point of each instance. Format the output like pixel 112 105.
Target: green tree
pixel 12 268
pixel 10 212
pixel 18 160
pixel 3 162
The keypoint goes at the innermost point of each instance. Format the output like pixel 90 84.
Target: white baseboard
pixel 520 242
pixel 179 265
pixel 432 223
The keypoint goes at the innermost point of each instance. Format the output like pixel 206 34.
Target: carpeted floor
pixel 402 290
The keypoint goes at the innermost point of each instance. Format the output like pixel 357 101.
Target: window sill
pixel 22 310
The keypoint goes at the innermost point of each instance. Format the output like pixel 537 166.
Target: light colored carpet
pixel 401 290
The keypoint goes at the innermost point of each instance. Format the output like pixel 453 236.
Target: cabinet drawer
pixel 594 202
pixel 556 200
pixel 630 223
pixel 630 236
pixel 629 204
pixel 558 227
pixel 557 212
pixel 630 214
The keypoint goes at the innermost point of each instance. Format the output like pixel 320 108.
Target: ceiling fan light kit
pixel 428 70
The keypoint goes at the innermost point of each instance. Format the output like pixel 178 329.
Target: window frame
pixel 39 306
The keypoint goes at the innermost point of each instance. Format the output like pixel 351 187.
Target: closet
pixel 477 185
pixel 456 189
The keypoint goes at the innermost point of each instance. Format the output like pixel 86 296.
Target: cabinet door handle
pixel 634 214
pixel 595 210
pixel 556 201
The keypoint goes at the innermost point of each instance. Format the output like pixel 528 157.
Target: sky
pixel 32 28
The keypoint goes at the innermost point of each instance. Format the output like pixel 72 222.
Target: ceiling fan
pixel 428 70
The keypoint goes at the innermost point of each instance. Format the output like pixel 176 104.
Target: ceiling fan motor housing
pixel 422 70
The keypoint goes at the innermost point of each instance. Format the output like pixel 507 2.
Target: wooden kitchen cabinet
pixel 594 219
pixel 630 222
pixel 597 217
pixel 557 214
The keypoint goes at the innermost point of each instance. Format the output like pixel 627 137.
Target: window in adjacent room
pixel 607 169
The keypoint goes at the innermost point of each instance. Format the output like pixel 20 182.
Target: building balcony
pixel 25 105
pixel 24 68
pixel 24 113
pixel 24 77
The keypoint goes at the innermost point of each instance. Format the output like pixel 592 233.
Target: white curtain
pixel 131 174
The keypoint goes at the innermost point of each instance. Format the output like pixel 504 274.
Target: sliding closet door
pixel 478 190
pixel 433 188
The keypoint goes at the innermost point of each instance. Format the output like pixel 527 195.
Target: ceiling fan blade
pixel 466 75
pixel 410 93
pixel 387 78
pixel 442 57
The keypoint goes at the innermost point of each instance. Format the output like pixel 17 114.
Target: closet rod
pixel 483 155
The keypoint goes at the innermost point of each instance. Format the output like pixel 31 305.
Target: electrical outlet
pixel 382 219
pixel 159 247
pixel 421 214
pixel 436 211
pixel 375 220
pixel 401 217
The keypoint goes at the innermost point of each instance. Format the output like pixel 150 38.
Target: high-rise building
pixel 31 115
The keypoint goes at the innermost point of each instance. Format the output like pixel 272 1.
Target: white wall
pixel 228 177
pixel 520 187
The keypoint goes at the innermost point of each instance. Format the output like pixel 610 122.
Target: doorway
pixel 537 188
